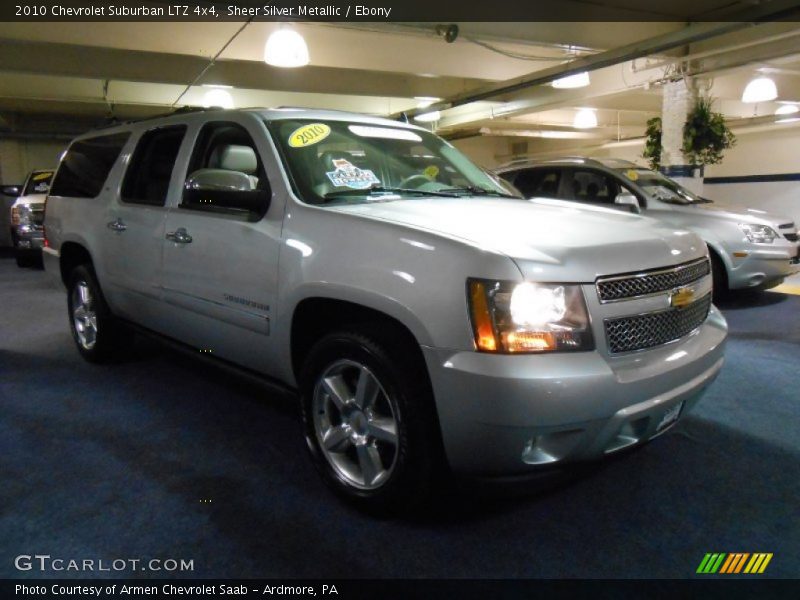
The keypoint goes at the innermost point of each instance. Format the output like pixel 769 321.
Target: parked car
pixel 27 215
pixel 427 317
pixel 749 248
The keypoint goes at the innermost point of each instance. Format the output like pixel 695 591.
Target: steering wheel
pixel 414 181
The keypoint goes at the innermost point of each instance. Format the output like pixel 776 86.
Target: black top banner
pixel 432 11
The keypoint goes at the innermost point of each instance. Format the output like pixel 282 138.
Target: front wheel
pixel 97 334
pixel 370 421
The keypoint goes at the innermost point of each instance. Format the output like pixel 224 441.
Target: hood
pixel 31 199
pixel 548 240
pixel 734 213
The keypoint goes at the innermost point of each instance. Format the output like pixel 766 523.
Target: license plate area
pixel 669 417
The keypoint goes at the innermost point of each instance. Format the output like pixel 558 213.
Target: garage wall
pixel 18 157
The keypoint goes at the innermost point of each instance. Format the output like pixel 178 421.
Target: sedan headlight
pixel 525 317
pixel 758 234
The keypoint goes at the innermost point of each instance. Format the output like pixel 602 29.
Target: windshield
pixel 337 162
pixel 662 188
pixel 38 183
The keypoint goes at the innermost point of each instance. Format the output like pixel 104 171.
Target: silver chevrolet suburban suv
pixel 428 318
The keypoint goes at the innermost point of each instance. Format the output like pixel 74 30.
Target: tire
pixel 720 277
pixel 23 261
pixel 98 336
pixel 384 454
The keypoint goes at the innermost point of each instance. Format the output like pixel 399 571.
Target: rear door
pixel 134 228
pixel 220 263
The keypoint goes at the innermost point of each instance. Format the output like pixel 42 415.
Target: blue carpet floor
pixel 120 462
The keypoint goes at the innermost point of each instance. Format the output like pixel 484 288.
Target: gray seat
pixel 233 157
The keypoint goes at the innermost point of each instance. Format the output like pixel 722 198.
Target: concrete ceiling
pixel 75 75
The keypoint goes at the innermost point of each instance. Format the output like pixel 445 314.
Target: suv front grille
pixel 626 334
pixel 654 281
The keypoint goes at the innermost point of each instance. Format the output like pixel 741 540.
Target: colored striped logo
pixel 736 562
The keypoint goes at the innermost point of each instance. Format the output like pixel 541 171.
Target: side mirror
pixel 11 190
pixel 629 201
pixel 224 190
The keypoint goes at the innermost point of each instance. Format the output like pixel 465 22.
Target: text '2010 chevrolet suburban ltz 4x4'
pixel 428 318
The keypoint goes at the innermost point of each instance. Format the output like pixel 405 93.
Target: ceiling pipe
pixel 696 32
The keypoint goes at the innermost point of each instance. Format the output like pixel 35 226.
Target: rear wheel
pixel 97 334
pixel 370 422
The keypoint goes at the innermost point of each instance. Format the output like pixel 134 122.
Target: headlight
pixel 528 317
pixel 758 234
pixel 20 215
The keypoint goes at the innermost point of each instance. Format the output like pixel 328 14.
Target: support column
pixel 678 100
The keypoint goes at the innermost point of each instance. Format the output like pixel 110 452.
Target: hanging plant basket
pixel 652 144
pixel 705 135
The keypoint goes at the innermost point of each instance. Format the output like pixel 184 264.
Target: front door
pixel 220 261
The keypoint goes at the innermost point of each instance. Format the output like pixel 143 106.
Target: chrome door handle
pixel 179 236
pixel 117 225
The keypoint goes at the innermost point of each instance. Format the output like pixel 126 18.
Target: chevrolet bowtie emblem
pixel 681 297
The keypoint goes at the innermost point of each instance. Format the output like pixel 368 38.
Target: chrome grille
pixel 651 282
pixel 626 334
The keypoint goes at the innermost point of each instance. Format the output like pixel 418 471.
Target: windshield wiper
pixel 387 190
pixel 475 190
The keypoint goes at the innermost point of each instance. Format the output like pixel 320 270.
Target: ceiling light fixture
pixel 585 118
pixel 286 48
pixel 217 97
pixel 428 117
pixel 760 89
pixel 570 82
pixel 787 109
pixel 425 101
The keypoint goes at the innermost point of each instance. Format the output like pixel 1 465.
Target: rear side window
pixel 150 170
pixel 539 183
pixel 86 164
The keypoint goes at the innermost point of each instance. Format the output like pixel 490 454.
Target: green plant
pixel 652 144
pixel 705 134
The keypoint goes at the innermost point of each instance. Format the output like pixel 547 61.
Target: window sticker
pixel 431 172
pixel 41 176
pixel 41 187
pixel 350 176
pixel 631 174
pixel 308 135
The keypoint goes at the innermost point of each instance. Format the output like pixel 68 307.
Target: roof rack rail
pixel 114 122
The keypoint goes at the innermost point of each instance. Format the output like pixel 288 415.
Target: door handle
pixel 117 225
pixel 179 236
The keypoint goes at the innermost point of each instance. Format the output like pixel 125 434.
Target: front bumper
pixel 763 267
pixel 27 238
pixel 506 415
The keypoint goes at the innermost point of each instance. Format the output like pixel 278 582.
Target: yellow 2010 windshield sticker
pixel 431 172
pixel 40 176
pixel 632 175
pixel 308 135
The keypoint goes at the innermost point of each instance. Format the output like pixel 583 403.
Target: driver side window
pixel 226 173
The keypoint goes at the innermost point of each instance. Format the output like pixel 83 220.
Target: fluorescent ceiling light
pixel 760 89
pixel 787 109
pixel 428 117
pixel 218 86
pixel 425 101
pixel 218 97
pixel 585 118
pixel 578 80
pixel 286 48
